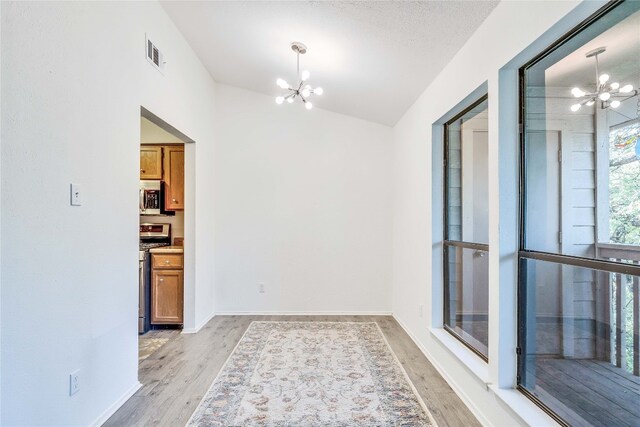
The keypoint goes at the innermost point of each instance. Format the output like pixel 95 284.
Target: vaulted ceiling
pixel 372 58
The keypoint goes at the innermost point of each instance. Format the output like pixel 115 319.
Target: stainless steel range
pixel 151 236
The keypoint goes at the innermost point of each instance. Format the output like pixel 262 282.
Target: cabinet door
pixel 167 298
pixel 174 178
pixel 150 162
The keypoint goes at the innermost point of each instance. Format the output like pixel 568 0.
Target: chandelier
pixel 608 95
pixel 297 90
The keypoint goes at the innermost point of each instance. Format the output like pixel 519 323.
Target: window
pixel 466 269
pixel 579 269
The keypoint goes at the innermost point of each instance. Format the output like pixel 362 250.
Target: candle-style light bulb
pixel 282 83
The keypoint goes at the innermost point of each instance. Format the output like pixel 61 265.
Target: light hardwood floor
pixel 176 377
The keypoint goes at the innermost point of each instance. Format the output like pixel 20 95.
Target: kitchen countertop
pixel 168 250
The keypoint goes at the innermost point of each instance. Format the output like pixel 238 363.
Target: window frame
pixel 446 242
pixel 525 254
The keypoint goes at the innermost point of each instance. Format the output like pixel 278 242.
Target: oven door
pixel 142 294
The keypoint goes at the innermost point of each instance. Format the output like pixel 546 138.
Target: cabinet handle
pixel 161 279
pixel 174 200
pixel 142 170
pixel 167 261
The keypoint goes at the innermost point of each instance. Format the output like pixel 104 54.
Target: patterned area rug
pixel 299 374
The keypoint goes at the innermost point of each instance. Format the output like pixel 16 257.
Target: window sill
pixel 523 407
pixel 516 402
pixel 474 364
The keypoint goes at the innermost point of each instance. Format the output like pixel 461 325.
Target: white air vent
pixel 154 55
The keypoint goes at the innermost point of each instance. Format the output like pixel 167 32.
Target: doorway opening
pixel 164 190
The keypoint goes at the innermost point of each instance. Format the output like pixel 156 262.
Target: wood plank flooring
pixel 587 392
pixel 176 377
pixel 150 342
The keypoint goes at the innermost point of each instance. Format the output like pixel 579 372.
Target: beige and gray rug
pixel 307 374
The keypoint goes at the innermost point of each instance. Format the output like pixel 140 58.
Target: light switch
pixel 76 195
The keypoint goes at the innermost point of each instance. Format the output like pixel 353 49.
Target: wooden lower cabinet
pixel 167 296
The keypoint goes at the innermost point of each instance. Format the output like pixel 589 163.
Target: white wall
pixel 302 205
pixel 530 26
pixel 73 79
pixel 301 200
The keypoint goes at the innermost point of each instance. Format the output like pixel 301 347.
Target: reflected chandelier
pixel 609 96
pixel 297 90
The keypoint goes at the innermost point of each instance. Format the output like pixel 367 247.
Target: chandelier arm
pixel 604 91
pixel 626 95
pixel 587 100
pixel 296 89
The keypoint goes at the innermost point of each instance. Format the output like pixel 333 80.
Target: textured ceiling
pixel 372 58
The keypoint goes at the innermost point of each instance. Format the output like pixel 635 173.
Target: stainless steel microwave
pixel 150 197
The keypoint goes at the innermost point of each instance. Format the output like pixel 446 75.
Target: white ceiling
pixel 372 58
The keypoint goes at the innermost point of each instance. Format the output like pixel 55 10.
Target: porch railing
pixel 621 295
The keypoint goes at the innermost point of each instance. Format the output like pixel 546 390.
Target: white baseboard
pixel 202 325
pixel 459 390
pixel 304 313
pixel 102 418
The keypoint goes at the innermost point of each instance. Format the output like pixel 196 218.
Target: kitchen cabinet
pixel 150 162
pixel 161 260
pixel 174 178
pixel 167 289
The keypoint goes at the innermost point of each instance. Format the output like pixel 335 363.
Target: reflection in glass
pixel 579 327
pixel 467 291
pixel 624 176
pixel 467 174
pixel 582 167
pixel 578 358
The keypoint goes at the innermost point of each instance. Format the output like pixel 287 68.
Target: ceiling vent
pixel 155 55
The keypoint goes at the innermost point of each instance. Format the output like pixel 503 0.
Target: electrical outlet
pixel 261 287
pixel 74 382
pixel 421 310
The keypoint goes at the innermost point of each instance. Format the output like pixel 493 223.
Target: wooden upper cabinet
pixel 150 162
pixel 174 178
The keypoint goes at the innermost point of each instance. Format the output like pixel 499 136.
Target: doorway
pixel 166 206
